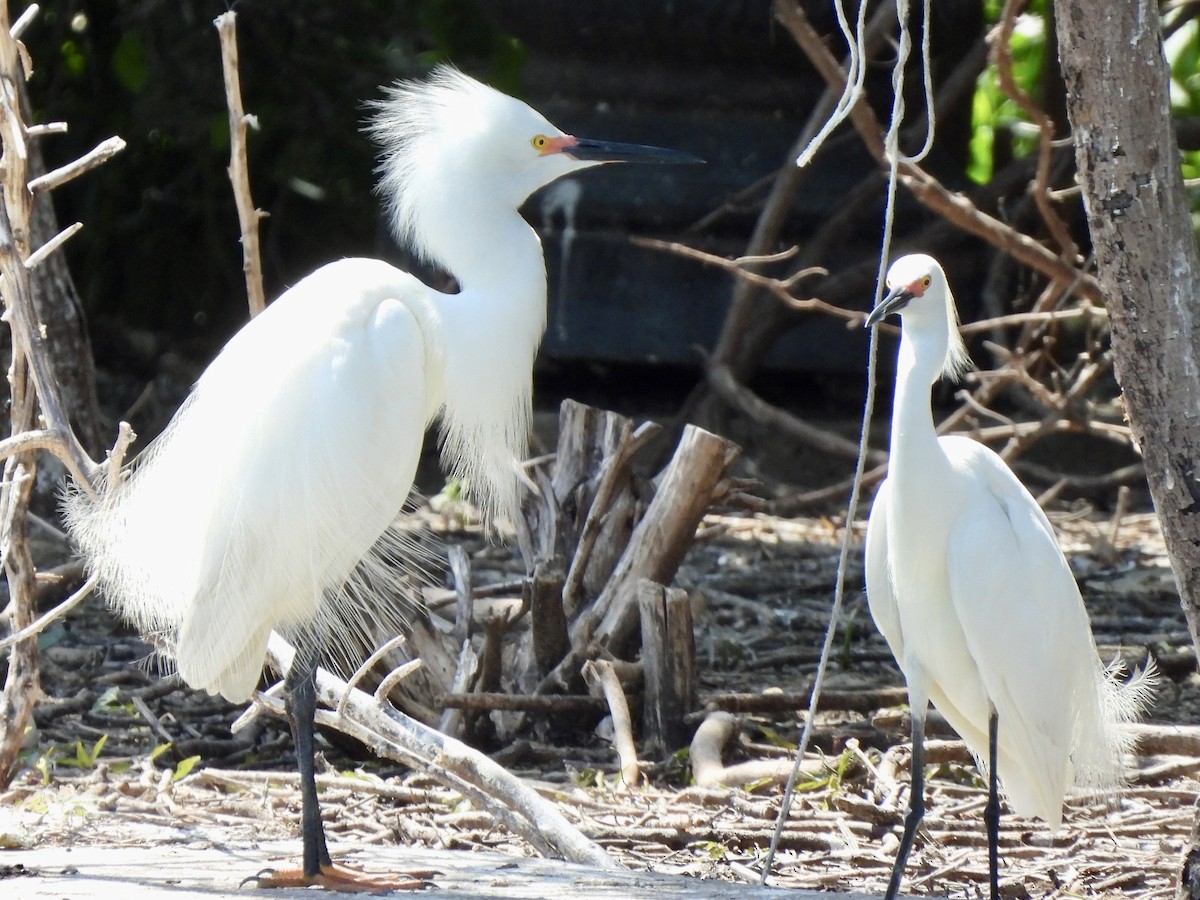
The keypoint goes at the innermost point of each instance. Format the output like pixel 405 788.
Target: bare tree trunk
pixel 60 310
pixel 1149 268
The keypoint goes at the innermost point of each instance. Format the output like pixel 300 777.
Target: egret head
pixel 917 290
pixel 451 136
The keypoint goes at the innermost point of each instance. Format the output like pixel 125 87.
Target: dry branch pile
pixel 601 544
pixel 1043 324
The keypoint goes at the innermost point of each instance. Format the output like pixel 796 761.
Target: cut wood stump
pixel 596 531
pixel 669 658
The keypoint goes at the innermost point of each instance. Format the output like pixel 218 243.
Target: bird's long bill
pixel 894 301
pixel 586 149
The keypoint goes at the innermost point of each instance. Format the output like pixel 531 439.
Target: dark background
pixel 159 265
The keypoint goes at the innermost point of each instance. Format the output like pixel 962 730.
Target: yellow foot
pixel 344 879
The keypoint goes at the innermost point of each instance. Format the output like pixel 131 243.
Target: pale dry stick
pixel 1001 55
pixel 394 677
pixel 778 287
pixel 710 771
pixel 1015 368
pixel 43 439
pixel 600 676
pixel 38 625
pixel 98 155
pixel 24 21
pixel 1011 320
pixel 38 256
pixel 1025 431
pixel 369 663
pixel 44 128
pixel 239 177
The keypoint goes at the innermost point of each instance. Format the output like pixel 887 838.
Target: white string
pixel 856 73
pixel 894 157
pixel 926 79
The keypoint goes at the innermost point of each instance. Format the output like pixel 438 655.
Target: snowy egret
pixel 274 488
pixel 967 582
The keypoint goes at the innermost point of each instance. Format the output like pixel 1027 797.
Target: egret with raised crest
pixel 276 484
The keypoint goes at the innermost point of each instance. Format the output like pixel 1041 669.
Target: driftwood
pixel 708 770
pixel 696 476
pixel 593 534
pixel 389 733
pixel 602 678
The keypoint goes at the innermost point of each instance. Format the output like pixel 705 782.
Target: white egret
pixel 279 477
pixel 967 582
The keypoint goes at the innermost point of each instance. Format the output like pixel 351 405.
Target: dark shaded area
pixel 159 263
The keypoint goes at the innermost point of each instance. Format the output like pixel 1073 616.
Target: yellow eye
pixel 539 142
pixel 926 281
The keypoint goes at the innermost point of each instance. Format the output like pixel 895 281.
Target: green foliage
pixel 110 702
pixel 993 114
pixel 774 738
pixel 47 760
pixel 833 774
pixel 130 64
pixel 184 768
pixel 710 849
pixel 1183 55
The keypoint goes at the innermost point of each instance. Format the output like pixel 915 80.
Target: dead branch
pixel 239 177
pixel 98 155
pixel 391 734
pixel 708 767
pixel 954 208
pixel 687 487
pixel 787 424
pixel 34 392
pixel 602 679
pixel 1001 55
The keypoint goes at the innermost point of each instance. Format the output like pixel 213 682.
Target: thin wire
pixel 894 157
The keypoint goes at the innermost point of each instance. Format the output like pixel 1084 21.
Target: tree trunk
pixel 1149 268
pixel 60 310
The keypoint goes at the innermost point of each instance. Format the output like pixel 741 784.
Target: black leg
pixel 300 687
pixel 916 797
pixel 991 813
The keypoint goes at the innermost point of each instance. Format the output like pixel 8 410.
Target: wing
pixel 881 596
pixel 1024 624
pixel 294 452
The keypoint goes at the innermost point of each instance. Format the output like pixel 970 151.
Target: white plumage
pixel 967 583
pixel 299 444
pixel 269 502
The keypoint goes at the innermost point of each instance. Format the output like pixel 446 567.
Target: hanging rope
pixel 856 69
pixel 894 157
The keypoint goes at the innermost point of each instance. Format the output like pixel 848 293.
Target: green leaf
pixel 184 768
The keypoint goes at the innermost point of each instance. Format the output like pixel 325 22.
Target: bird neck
pixel 491 331
pixel 914 438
